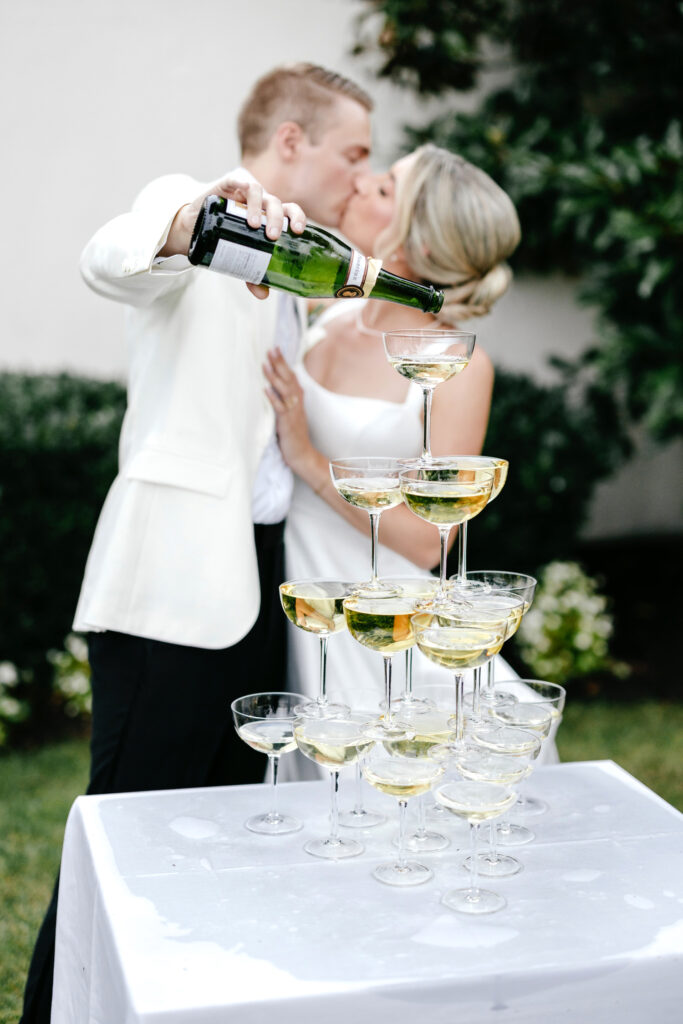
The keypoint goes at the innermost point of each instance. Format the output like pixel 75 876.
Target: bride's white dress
pixel 320 543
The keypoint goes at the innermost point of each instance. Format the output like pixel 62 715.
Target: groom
pixel 180 590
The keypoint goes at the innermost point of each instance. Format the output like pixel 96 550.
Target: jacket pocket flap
pixel 157 467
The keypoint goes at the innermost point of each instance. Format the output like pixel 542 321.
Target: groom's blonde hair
pixel 303 93
pixel 457 228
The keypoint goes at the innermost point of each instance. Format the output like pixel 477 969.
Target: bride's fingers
pixel 282 371
pixel 275 400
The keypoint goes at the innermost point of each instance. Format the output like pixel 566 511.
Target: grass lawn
pixel 37 789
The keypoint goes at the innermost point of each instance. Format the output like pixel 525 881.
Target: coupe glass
pixel 446 493
pixel 382 624
pixel 457 647
pixel 402 777
pixel 333 743
pixel 428 357
pixel 500 475
pixel 423 589
pixel 371 483
pixel 265 721
pixel 514 742
pixel 429 727
pixel 516 583
pixel 475 802
pixel 536 697
pixel 316 607
pixel 487 609
pixel 481 765
pixel 359 816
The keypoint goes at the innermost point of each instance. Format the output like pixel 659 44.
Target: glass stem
pixel 409 673
pixel 462 552
pixel 427 424
pixel 490 682
pixel 322 698
pixel 274 764
pixel 402 808
pixel 334 811
pixel 493 843
pixel 476 693
pixel 444 532
pixel 459 717
pixel 421 831
pixel 387 689
pixel 374 541
pixel 358 809
pixel 474 867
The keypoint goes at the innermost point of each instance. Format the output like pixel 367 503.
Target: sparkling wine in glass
pixel 428 357
pixel 333 743
pixel 316 606
pixel 382 624
pixel 475 802
pixel 371 483
pixel 265 721
pixel 402 777
pixel 447 492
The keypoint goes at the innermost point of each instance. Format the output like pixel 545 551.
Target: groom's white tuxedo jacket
pixel 173 556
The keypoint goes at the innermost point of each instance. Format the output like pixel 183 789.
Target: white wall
pixel 100 97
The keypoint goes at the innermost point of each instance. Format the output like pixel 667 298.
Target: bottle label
pixel 240 261
pixel 355 277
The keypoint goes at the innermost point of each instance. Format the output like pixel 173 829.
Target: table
pixel 172 913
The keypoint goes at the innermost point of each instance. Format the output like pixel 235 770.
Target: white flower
pixel 76 646
pixel 9 674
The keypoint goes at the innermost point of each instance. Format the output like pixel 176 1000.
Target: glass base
pixel 361 818
pixel 473 901
pixel 466 588
pixel 375 588
pixel 437 812
pixel 320 709
pixel 498 699
pixel 411 873
pixel 427 842
pixel 382 731
pixel 333 849
pixel 502 867
pixel 530 806
pixel 514 835
pixel 273 824
pixel 409 705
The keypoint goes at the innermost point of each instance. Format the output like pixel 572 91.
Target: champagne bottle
pixel 314 264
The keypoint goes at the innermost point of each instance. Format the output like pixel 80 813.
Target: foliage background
pixel 586 138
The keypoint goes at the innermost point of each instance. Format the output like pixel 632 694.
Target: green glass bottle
pixel 314 264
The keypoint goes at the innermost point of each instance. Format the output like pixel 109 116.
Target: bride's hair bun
pixel 474 297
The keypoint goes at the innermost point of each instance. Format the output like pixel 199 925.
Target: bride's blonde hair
pixel 457 228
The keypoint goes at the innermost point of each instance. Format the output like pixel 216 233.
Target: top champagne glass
pixel 428 357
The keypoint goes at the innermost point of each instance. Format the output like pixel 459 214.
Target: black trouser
pixel 161 720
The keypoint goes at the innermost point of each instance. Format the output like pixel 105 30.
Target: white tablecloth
pixel 170 912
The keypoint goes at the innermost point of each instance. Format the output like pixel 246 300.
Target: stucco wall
pixel 100 97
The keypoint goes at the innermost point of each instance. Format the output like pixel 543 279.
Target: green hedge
pixel 58 451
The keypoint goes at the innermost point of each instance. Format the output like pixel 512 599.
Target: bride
pixel 433 217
